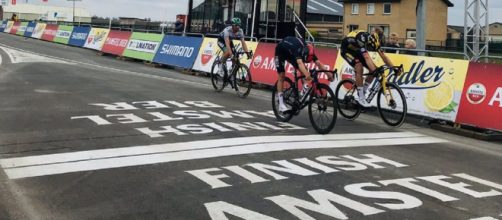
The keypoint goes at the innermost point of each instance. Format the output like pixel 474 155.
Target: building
pixel 455 32
pixel 261 18
pixel 325 19
pixel 29 12
pixel 397 16
pixel 495 32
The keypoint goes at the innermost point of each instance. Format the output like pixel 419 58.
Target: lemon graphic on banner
pixel 440 97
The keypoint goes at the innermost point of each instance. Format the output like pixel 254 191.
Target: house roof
pixel 459 29
pixel 447 2
pixel 325 7
pixel 43 9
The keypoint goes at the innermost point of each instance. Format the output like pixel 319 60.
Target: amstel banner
pixel 116 42
pixel 96 38
pixel 481 103
pixel 14 27
pixel 39 30
pixel 143 46
pixel 178 51
pixel 30 28
pixel 63 34
pixel 263 65
pixel 8 26
pixel 50 32
pixel 210 50
pixel 22 28
pixel 432 86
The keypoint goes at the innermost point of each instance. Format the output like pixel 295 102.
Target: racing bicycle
pixel 239 77
pixel 391 101
pixel 319 98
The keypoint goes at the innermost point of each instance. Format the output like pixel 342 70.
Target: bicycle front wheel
pixel 392 105
pixel 218 76
pixel 243 81
pixel 289 97
pixel 345 94
pixel 323 109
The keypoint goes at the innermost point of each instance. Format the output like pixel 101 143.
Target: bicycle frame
pixel 381 77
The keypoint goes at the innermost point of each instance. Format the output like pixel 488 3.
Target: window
pixel 353 27
pixel 387 8
pixel 411 34
pixel 371 9
pixel 385 28
pixel 355 9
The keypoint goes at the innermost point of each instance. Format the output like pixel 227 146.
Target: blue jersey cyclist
pixel 297 52
pixel 354 50
pixel 230 33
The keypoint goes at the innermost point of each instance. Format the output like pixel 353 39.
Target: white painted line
pixel 484 218
pixel 186 146
pixel 17 56
pixel 203 152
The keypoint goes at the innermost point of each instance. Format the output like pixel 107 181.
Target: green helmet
pixel 236 21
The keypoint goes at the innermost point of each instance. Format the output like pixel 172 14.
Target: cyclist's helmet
pixel 309 53
pixel 236 21
pixel 369 41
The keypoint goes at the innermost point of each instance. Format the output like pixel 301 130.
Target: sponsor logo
pixel 476 93
pixel 117 42
pixel 143 46
pixel 38 30
pixel 176 50
pixel 30 29
pixel 98 37
pixel 50 32
pixel 22 29
pixel 418 75
pixel 257 61
pixel 207 53
pixel 79 36
pixel 63 34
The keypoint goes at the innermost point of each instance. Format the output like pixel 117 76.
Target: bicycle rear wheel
pixel 290 96
pixel 345 94
pixel 218 76
pixel 392 110
pixel 322 109
pixel 243 81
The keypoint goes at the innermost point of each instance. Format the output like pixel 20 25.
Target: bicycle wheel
pixel 243 81
pixel 322 109
pixel 218 76
pixel 290 96
pixel 345 94
pixel 392 111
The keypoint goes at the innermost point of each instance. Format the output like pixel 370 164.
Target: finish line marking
pixel 51 164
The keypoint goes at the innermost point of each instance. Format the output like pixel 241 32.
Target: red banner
pixel 116 42
pixel 15 26
pixel 481 103
pixel 50 32
pixel 263 65
pixel 13 2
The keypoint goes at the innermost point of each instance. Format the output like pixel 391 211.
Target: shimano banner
pixel 79 36
pixel 30 29
pixel 178 51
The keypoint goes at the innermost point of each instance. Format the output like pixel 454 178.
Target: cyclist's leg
pixel 225 50
pixel 354 59
pixel 281 74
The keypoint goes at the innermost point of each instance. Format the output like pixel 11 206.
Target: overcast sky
pixel 168 9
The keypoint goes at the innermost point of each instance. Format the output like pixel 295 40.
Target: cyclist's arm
pixel 321 66
pixel 385 58
pixel 244 45
pixel 303 69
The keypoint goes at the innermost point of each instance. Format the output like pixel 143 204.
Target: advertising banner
pixel 210 50
pixel 14 27
pixel 178 51
pixel 116 42
pixel 39 30
pixel 8 26
pixel 481 103
pixel 79 36
pixel 63 34
pixel 22 28
pixel 432 86
pixel 3 25
pixel 143 46
pixel 263 65
pixel 50 32
pixel 29 29
pixel 96 38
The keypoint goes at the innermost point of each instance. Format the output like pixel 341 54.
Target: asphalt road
pixel 84 136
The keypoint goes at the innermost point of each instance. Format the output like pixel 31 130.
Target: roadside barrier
pixel 438 88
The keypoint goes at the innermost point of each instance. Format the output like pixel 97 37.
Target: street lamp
pixel 73 20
